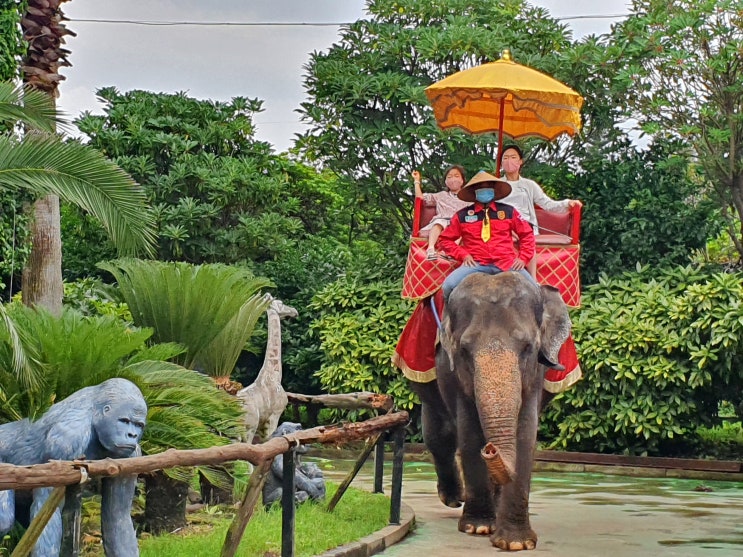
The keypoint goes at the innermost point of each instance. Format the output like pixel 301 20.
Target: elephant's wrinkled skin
pixel 486 398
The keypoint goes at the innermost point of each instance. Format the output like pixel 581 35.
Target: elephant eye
pixel 527 351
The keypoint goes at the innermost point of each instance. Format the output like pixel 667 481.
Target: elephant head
pixel 497 332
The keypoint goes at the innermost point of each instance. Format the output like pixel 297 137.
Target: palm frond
pixel 188 304
pixel 28 106
pixel 83 176
pixel 18 355
pixel 159 352
pixel 218 359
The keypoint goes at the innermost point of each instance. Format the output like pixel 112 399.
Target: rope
pixel 435 314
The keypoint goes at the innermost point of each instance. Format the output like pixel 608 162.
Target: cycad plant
pixel 59 355
pixel 211 309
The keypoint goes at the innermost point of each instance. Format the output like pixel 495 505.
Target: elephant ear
pixel 555 324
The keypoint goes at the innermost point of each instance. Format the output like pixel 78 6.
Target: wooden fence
pixel 60 474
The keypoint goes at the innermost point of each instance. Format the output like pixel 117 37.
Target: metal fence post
pixel 397 465
pixel 288 510
pixel 379 465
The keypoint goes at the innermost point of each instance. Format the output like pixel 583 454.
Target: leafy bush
pixel 724 441
pixel 645 207
pixel 219 194
pixel 659 350
pixel 91 297
pixel 358 324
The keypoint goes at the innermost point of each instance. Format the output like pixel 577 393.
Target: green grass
pixel 358 514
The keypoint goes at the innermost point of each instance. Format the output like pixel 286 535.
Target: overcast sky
pixel 220 62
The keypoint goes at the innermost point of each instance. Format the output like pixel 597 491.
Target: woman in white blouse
pixel 525 194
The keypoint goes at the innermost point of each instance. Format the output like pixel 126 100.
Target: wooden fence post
pixel 242 517
pixel 29 539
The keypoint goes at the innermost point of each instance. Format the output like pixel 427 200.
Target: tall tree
pixel 44 32
pixel 41 164
pixel 12 221
pixel 369 118
pixel 682 61
pixel 220 195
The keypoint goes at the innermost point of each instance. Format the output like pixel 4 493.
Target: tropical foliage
pixel 660 350
pixel 40 164
pixel 73 351
pixel 210 309
pixel 679 62
pixel 219 194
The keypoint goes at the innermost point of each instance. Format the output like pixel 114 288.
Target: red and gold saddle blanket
pixel 423 277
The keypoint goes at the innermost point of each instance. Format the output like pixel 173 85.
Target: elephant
pixel 497 333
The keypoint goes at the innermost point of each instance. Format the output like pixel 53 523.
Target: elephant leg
pixel 478 515
pixel 512 526
pixel 440 437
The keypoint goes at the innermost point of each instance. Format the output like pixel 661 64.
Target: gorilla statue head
pixel 287 428
pixel 119 417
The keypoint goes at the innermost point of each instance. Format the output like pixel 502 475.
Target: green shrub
pixel 724 441
pixel 358 325
pixel 659 351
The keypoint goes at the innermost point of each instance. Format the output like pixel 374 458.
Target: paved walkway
pixel 588 515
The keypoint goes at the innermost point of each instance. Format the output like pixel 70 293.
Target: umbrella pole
pixel 500 136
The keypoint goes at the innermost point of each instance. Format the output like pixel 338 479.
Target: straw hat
pixel 467 193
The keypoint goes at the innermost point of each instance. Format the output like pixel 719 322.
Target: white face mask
pixel 511 166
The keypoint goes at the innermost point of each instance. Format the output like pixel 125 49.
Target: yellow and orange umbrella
pixel 506 98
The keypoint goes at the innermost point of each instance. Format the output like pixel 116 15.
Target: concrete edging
pixel 377 541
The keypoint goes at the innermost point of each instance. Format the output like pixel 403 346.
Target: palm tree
pixel 44 31
pixel 211 309
pixel 42 164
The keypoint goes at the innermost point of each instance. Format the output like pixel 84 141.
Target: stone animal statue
pixel 485 400
pixel 265 399
pixel 309 483
pixel 98 422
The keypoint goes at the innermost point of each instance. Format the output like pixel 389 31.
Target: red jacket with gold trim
pixel 499 250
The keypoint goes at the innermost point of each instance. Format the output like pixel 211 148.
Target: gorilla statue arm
pixel 97 422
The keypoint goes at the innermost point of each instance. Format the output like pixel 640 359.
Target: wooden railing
pixel 59 474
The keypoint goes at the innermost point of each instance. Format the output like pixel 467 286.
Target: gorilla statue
pixel 308 478
pixel 98 422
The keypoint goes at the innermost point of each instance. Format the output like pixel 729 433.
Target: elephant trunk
pixel 497 385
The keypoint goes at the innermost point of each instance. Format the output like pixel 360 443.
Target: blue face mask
pixel 485 195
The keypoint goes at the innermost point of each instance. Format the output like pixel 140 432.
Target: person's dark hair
pixel 514 147
pixel 461 171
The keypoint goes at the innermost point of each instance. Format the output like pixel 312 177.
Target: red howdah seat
pixel 558 255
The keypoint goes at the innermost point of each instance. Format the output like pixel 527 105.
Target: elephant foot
pixel 450 494
pixel 514 539
pixel 475 526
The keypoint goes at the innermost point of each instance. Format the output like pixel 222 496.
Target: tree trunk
pixel 214 495
pixel 165 503
pixel 44 30
pixel 42 277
